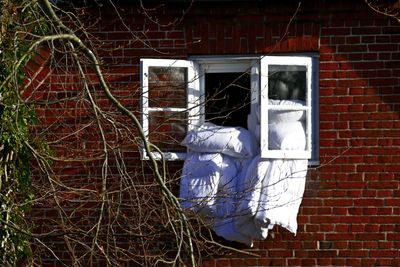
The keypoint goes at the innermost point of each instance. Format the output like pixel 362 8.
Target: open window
pixel 227 98
pixel 227 91
pixel 286 83
pixel 170 104
pixel 179 95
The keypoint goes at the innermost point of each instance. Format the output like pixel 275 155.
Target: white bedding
pixel 281 194
pixel 232 141
pixel 241 195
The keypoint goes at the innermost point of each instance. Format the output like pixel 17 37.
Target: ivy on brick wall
pixel 18 20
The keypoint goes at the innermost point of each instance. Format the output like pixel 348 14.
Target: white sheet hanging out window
pixel 175 99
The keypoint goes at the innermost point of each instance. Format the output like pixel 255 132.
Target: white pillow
pixel 275 116
pixel 232 141
pixel 286 136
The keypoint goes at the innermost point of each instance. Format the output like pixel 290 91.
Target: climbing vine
pixel 16 117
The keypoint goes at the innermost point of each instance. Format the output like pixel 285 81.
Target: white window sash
pixel 265 107
pixel 193 100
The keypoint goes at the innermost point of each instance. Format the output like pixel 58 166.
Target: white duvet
pixel 240 195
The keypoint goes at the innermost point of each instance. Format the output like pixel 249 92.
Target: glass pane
pixel 167 129
pixel 287 136
pixel 167 87
pixel 287 82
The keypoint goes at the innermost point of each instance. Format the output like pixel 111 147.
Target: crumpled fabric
pixel 241 195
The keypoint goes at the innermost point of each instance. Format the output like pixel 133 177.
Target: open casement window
pixel 170 105
pixel 285 98
pixel 179 95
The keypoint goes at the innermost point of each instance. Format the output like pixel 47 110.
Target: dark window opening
pixel 227 98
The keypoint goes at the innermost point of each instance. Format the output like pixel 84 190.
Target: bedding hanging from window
pixel 241 195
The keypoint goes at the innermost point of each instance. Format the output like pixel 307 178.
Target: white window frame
pixel 258 66
pixel 193 100
pixel 265 107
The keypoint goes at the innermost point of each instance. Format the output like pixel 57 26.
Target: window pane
pixel 167 129
pixel 167 87
pixel 287 82
pixel 287 136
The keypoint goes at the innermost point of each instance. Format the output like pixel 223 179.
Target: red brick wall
pixel 350 214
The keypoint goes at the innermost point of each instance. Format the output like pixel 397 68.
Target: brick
pixel 308 262
pixel 393 201
pixel 264 262
pixel 352 83
pixel 382 185
pixel 393 65
pixel 370 245
pixel 338 262
pixel 390 30
pixel 369 65
pixel 393 237
pixel 353 48
pixel 354 253
pixel 370 56
pixel 385 245
pixel 353 40
pixel 293 262
pixel 365 30
pixel 280 253
pixel 382 47
pixel 370 236
pixel 385 193
pixel 385 219
pixel 209 263
pixel 222 262
pixel 384 262
pixel 384 253
pixel 368 262
pixel 353 262
pixel 384 56
pixel 368 39
pixel 335 31
pixel 277 262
